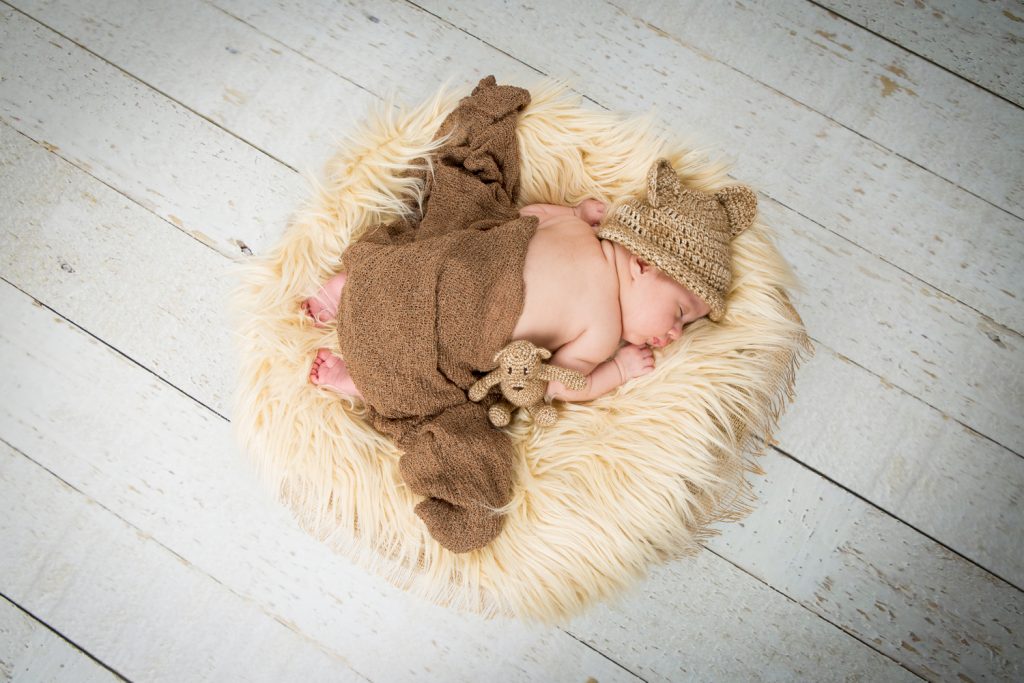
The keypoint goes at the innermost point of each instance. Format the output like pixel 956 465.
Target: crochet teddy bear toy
pixel 523 379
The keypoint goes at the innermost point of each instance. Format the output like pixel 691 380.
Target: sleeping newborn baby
pixel 600 294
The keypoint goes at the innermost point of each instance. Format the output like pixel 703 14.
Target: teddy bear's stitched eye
pixel 509 369
pixel 524 371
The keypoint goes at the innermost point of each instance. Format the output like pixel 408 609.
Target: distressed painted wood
pixel 931 117
pixel 938 323
pixel 878 579
pixel 122 596
pixel 979 40
pixel 162 463
pixel 834 564
pixel 29 651
pixel 919 465
pixel 885 204
pixel 166 142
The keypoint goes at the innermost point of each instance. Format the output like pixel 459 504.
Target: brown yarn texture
pixel 429 302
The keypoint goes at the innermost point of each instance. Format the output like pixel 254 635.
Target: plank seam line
pixel 753 575
pixel 60 635
pixel 825 116
pixel 781 203
pixel 112 348
pixel 887 513
pixel 145 536
pixel 916 54
pixel 1006 328
pixel 822 617
pixel 271 38
pixel 498 49
pixel 587 645
pixel 101 181
pixel 152 87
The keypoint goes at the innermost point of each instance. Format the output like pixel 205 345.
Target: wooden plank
pixel 914 337
pixel 126 598
pixel 902 455
pixel 881 581
pixel 894 480
pixel 931 117
pixel 156 459
pixel 978 39
pixel 962 245
pixel 30 651
pixel 159 149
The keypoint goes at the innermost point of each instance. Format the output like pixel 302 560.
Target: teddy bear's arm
pixel 572 379
pixel 480 388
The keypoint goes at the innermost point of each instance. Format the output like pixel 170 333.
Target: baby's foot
pixel 591 211
pixel 323 306
pixel 331 372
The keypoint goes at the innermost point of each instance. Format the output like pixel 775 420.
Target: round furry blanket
pixel 627 480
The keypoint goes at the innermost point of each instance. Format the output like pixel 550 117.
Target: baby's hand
pixel 634 360
pixel 590 211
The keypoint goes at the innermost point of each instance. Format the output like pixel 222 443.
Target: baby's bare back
pixel 571 288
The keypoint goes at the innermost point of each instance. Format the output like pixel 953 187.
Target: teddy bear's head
pixel 519 363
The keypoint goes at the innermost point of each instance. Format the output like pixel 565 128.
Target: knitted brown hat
pixel 686 234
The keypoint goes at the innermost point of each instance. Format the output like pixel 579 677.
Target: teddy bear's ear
pixel 497 357
pixel 662 182
pixel 542 352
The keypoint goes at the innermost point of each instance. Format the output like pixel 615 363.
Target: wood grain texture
pixel 122 596
pixel 933 118
pixel 29 651
pixel 979 40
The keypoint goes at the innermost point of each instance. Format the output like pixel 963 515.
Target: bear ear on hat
pixel 662 182
pixel 740 204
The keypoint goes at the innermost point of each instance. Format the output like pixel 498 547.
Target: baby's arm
pixel 585 354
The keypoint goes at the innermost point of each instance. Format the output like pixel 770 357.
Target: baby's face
pixel 658 308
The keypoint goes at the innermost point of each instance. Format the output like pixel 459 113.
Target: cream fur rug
pixel 618 484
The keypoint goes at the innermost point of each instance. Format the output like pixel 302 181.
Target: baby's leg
pixel 330 372
pixel 323 306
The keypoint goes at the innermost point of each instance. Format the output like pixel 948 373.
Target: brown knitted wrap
pixel 684 233
pixel 427 305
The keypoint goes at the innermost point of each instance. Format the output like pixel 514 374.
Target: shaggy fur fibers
pixel 618 484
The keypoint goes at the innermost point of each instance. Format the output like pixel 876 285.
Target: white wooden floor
pixel 143 148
